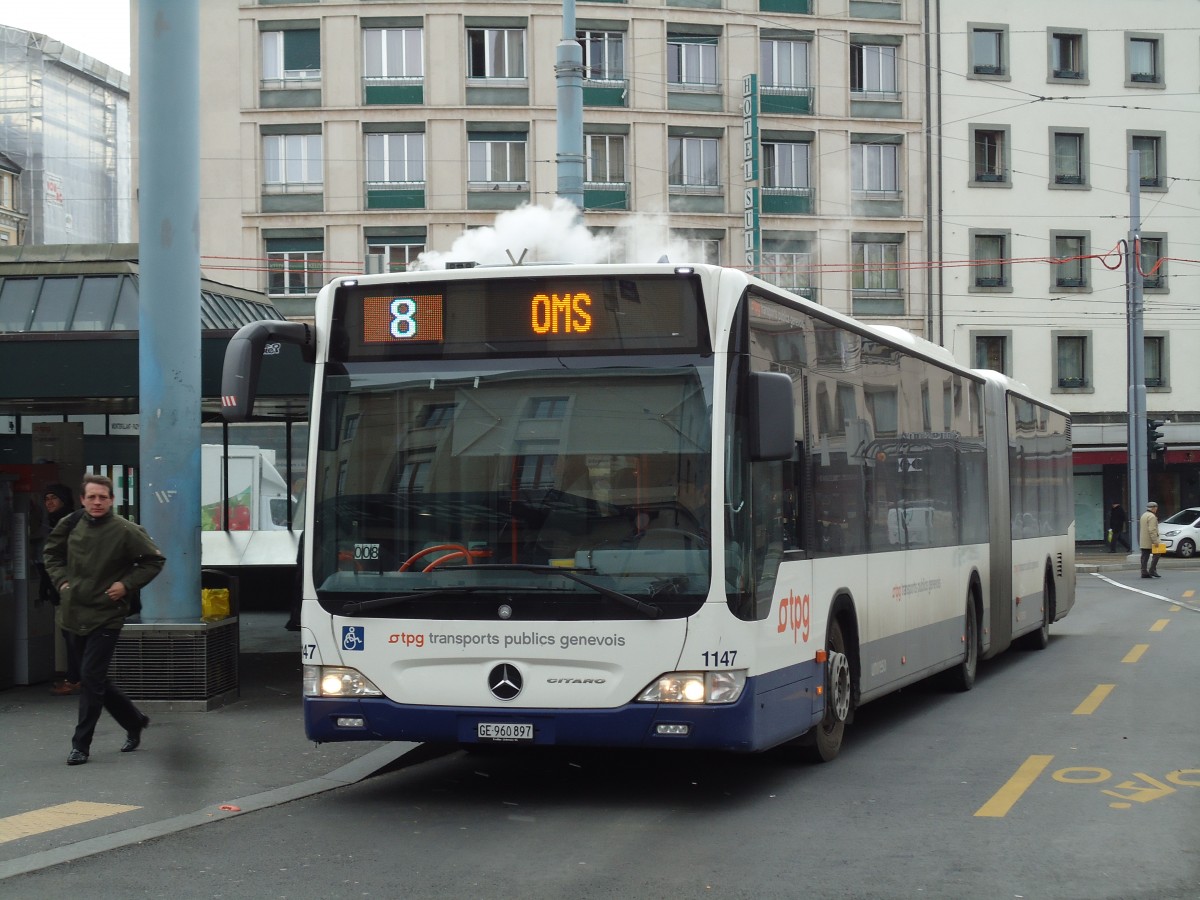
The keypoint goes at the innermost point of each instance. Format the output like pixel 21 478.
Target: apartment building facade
pixel 1036 111
pixel 337 130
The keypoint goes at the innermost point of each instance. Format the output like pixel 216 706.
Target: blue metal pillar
pixel 169 299
pixel 568 74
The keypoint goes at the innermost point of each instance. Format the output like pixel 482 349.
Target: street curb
pixel 351 773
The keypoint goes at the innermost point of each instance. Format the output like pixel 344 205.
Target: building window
pixel 295 266
pixel 603 55
pixel 1153 263
pixel 873 69
pixel 605 158
pixel 788 269
pixel 692 162
pixel 785 165
pixel 1154 360
pixel 1070 260
pixel 692 63
pixel 988 50
pixel 1067 55
pixel 1072 362
pixel 876 266
pixel 395 158
pixel 875 168
pixel 293 55
pixel 1150 151
pixel 496 52
pixel 989 259
pixel 991 352
pixel 1144 59
pixel 393 53
pixel 1068 159
pixel 783 64
pixel 700 247
pixel 496 162
pixel 292 163
pixel 8 190
pixel 990 149
pixel 398 255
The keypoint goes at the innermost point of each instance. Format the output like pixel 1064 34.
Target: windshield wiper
pixel 649 610
pixel 355 607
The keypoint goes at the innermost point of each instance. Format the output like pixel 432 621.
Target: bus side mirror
pixel 243 361
pixel 772 417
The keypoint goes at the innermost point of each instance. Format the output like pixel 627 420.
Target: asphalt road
pixel 1072 772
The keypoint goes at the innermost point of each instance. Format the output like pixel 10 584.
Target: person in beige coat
pixel 1147 538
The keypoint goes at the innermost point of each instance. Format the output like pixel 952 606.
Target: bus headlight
pixel 337 681
pixel 695 687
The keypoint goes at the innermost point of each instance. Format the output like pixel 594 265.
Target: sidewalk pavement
pixel 191 768
pixel 1096 558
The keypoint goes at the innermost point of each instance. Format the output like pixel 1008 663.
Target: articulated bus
pixel 656 506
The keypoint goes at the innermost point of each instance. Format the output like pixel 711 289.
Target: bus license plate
pixel 504 731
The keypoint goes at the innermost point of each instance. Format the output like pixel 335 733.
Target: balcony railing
pixel 394 194
pixel 605 92
pixel 695 188
pixel 785 99
pixel 293 187
pixel 386 89
pixel 693 87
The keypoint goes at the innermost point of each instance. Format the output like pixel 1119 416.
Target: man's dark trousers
pixel 96 692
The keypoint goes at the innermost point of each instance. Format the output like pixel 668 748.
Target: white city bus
pixel 651 506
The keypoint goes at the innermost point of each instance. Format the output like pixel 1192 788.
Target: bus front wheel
pixel 823 741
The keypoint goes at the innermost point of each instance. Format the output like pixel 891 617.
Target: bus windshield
pixel 562 480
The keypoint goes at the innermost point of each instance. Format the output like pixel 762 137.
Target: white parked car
pixel 1181 532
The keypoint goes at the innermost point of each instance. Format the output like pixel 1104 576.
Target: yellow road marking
pixel 1006 798
pixel 1094 699
pixel 1136 653
pixel 1159 625
pixel 1175 608
pixel 50 818
pixel 1189 593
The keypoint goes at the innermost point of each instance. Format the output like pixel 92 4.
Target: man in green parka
pixel 96 562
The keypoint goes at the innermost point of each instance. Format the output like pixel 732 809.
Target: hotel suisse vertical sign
pixel 752 243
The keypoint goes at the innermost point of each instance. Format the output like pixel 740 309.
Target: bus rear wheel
pixel 1040 639
pixel 823 741
pixel 962 676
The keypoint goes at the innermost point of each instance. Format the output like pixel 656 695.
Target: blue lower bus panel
pixel 771 710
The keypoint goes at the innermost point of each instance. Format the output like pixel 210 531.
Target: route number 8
pixel 404 321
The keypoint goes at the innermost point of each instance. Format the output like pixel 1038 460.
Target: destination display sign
pixel 547 314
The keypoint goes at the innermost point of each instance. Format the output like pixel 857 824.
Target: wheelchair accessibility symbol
pixel 354 637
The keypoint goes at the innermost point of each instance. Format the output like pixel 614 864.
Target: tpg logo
pixel 354 637
pixel 795 613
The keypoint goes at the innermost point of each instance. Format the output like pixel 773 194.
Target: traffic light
pixel 1155 442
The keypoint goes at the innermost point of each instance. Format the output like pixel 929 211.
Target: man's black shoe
pixel 133 738
pixel 77 758
pixel 1145 576
pixel 1155 575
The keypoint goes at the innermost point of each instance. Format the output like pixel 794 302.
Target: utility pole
pixel 568 74
pixel 1136 439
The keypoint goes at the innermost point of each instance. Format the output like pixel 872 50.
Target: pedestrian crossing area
pixel 52 818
